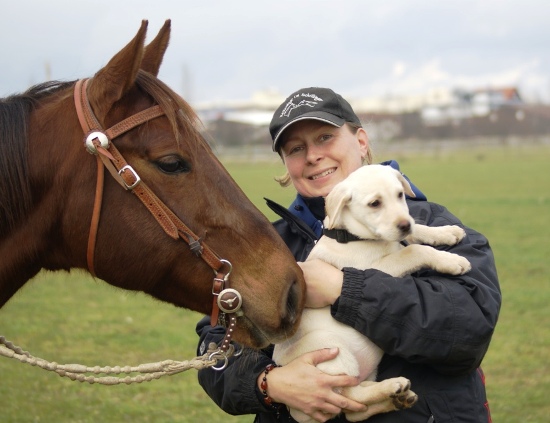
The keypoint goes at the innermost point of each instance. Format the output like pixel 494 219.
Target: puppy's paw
pixel 436 235
pixel 456 234
pixel 453 264
pixel 391 395
pixel 449 235
pixel 463 266
pixel 404 398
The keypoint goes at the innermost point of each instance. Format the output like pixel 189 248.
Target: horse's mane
pixel 15 192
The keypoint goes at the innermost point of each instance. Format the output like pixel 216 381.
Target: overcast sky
pixel 228 49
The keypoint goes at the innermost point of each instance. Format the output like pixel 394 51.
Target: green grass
pixel 504 193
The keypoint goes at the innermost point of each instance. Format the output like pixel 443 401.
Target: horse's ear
pixel 110 83
pixel 154 52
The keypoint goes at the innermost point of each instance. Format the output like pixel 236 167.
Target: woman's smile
pixel 322 174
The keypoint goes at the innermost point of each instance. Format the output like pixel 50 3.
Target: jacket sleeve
pixel 234 388
pixel 440 320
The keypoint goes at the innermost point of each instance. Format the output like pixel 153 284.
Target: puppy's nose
pixel 404 226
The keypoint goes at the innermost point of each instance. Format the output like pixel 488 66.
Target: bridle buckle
pixel 133 172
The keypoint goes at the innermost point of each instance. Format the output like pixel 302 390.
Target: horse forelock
pixel 15 190
pixel 183 119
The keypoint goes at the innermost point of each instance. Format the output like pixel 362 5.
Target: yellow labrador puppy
pixel 367 220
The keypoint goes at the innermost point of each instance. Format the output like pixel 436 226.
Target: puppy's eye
pixel 173 165
pixel 374 204
pixel 400 195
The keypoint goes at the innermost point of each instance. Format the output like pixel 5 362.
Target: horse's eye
pixel 173 165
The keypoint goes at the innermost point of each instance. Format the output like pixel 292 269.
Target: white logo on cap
pixel 290 106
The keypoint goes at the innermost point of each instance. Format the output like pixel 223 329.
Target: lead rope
pixel 147 372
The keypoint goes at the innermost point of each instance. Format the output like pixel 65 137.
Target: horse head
pixel 131 250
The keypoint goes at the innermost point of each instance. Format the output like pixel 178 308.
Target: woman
pixel 434 329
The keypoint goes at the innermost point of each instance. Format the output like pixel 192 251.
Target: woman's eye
pixel 294 150
pixel 173 165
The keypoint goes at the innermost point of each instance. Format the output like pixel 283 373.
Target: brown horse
pixel 48 194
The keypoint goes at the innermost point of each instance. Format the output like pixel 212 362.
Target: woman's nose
pixel 314 154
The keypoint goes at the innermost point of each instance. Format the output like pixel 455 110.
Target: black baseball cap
pixel 311 103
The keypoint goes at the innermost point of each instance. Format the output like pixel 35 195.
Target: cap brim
pixel 321 116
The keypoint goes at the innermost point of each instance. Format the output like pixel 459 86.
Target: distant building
pixel 256 110
pixel 439 113
pixel 485 101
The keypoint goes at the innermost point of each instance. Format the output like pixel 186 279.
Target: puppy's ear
pixel 406 186
pixel 338 198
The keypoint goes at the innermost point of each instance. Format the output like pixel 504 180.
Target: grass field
pixel 504 193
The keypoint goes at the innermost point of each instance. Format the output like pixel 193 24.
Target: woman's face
pixel 318 155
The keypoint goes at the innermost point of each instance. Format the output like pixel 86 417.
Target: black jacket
pixel 435 329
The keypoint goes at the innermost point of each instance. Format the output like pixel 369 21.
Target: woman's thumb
pixel 324 354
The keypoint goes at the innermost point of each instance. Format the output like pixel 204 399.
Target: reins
pixel 226 302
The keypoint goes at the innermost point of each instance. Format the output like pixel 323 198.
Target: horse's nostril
pixel 291 311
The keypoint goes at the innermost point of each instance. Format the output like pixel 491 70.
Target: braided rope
pixel 148 371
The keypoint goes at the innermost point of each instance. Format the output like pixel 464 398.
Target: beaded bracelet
pixel 268 401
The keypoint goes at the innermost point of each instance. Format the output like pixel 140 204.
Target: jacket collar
pixel 300 210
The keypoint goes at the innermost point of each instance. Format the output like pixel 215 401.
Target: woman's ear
pixel 363 140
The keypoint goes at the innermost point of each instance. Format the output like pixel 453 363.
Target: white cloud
pixel 399 69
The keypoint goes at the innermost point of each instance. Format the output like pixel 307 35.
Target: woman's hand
pixel 302 386
pixel 324 283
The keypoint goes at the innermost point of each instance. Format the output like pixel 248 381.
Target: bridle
pixel 226 302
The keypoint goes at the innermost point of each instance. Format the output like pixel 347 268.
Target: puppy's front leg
pixel 416 257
